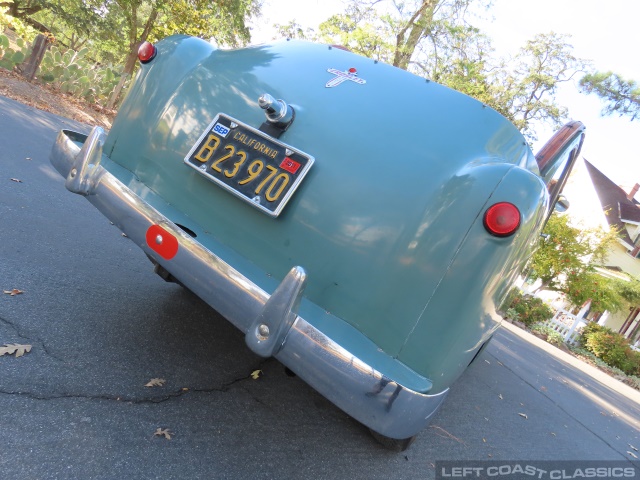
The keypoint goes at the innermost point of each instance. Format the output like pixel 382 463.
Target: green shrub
pixel 529 309
pixel 633 381
pixel 509 299
pixel 553 337
pixel 512 314
pixel 611 347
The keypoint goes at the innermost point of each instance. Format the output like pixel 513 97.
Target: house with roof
pixel 596 200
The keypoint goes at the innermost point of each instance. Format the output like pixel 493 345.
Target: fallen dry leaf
pixel 256 374
pixel 15 348
pixel 523 415
pixel 17 180
pixel 163 433
pixel 155 382
pixel 13 292
pixel 446 434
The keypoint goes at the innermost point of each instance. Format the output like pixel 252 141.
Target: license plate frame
pixel 248 163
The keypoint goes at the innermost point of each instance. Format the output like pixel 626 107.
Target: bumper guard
pixel 271 323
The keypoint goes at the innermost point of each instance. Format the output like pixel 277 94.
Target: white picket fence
pixel 568 325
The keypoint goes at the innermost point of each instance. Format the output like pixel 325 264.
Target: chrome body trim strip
pixel 356 387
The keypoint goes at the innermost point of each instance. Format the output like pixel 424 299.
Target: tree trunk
pixel 132 57
pixel 417 25
pixel 541 287
pixel 116 91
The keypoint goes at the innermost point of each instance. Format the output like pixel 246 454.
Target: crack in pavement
pixel 15 328
pixel 225 387
pixel 30 338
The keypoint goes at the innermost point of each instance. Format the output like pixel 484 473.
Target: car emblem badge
pixel 340 76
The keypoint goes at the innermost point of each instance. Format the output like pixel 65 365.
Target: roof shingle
pixel 614 202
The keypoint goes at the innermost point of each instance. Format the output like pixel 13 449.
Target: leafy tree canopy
pixel 565 261
pixel 621 96
pixel 115 28
pixel 603 292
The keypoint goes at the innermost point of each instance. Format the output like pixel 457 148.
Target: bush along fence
pixel 599 344
pixel 610 347
pixel 568 326
pixel 67 70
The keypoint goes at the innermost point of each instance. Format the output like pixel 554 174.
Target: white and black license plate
pixel 249 163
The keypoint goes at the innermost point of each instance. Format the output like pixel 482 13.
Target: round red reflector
pixel 146 52
pixel 502 219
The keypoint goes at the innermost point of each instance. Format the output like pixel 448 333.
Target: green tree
pixel 357 31
pixel 566 261
pixel 398 33
pixel 23 9
pixel 526 93
pixel 139 19
pixel 603 292
pixel 558 254
pixel 294 30
pixel 621 96
pixel 629 290
pixel 224 21
pixel 76 23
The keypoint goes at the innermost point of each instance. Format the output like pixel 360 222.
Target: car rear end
pixel 331 207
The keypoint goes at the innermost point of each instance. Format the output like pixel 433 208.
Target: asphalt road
pixel 102 324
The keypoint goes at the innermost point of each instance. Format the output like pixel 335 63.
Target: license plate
pixel 249 163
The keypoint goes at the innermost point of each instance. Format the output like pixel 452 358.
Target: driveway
pixel 102 325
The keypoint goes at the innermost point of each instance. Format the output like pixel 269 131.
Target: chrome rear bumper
pixel 271 323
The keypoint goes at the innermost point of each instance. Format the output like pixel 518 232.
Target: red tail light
pixel 502 219
pixel 146 52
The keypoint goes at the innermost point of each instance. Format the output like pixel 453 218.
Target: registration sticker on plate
pixel 249 163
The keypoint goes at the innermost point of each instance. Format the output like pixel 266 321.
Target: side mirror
pixel 562 205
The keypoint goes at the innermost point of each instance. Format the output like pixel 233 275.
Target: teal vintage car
pixel 358 223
